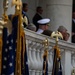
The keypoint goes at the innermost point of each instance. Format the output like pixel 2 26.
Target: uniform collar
pixel 39 31
pixel 24 12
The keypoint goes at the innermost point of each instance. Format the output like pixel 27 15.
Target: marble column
pixel 60 13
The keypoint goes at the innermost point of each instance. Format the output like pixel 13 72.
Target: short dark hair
pixel 37 9
pixel 24 5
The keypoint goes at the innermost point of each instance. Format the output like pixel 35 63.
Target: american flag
pixel 8 54
pixel 9 51
pixel 45 66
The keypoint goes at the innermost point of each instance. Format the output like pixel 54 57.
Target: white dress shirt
pixel 39 31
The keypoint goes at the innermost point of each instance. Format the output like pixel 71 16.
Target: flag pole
pixel 21 41
pixel 57 55
pixel 45 56
pixel 18 7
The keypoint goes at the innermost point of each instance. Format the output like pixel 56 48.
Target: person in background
pixel 64 32
pixel 31 27
pixel 67 37
pixel 43 27
pixel 24 13
pixel 37 16
pixel 73 27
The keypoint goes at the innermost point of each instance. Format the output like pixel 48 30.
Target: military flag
pixel 57 69
pixel 14 59
pixel 9 51
pixel 45 57
pixel 45 65
pixel 60 67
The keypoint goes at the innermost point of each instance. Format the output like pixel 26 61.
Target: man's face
pixel 64 33
pixel 26 8
pixel 46 27
pixel 40 10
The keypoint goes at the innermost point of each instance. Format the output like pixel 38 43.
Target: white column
pixel 59 11
pixel 11 10
pixel 66 61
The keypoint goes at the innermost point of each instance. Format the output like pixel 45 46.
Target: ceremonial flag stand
pixel 57 68
pixel 19 66
pixel 21 53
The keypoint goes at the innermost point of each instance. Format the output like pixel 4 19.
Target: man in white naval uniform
pixel 43 27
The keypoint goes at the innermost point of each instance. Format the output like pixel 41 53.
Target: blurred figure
pixel 43 27
pixel 73 27
pixel 37 16
pixel 47 32
pixel 63 31
pixel 31 27
pixel 67 36
pixel 24 13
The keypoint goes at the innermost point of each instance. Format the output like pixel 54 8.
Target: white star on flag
pixel 10 64
pixel 4 66
pixel 6 50
pixel 10 47
pixel 12 41
pixel 12 57
pixel 12 74
pixel 7 42
pixel 5 58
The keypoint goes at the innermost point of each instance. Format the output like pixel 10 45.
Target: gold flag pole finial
pixel 18 6
pixel 57 35
pixel 46 45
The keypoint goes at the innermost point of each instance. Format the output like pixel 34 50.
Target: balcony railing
pixel 35 51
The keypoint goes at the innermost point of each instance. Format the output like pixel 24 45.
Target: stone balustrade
pixel 35 52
